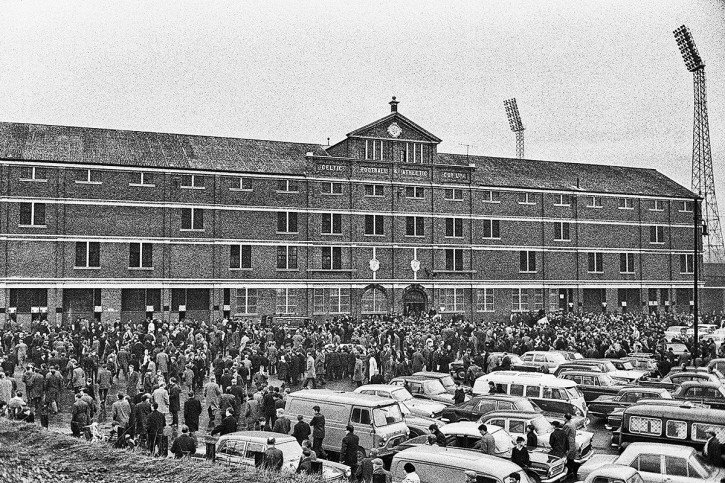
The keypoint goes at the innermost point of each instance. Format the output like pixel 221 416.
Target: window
pixel 240 257
pixel 241 184
pixel 412 153
pixel 141 178
pixel 527 261
pixel 192 219
pixel 491 229
pixel 286 258
pixel 657 234
pixel 88 176
pixel 88 255
pixel 415 192
pixel 374 149
pixel 686 206
pixel 626 204
pixel 676 429
pixel 331 224
pixel 527 199
pixel 286 301
pixel 648 463
pixel 140 255
pixel 491 196
pixel 374 225
pixel 538 298
pixel 374 301
pixel 516 390
pixel 687 263
pixel 331 300
pixel 246 301
pixel 642 425
pixel 484 300
pixel 675 466
pixel 626 263
pixel 520 303
pixel 287 186
pixel 533 391
pixel 331 258
pixel 286 222
pixel 596 262
pixel 594 202
pixel 414 226
pixel 453 299
pixel 193 181
pixel 699 431
pixel 32 214
pixel 562 231
pixel 562 200
pixel 454 259
pixel 360 416
pixel 517 427
pixel 657 205
pixel 374 190
pixel 331 188
pixel 454 227
pixel 453 194
pixel 31 173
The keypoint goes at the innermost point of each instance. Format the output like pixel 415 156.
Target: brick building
pixel 109 223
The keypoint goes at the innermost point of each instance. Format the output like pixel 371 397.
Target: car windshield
pixel 387 415
pixel 574 392
pixel 606 380
pixel 434 386
pixel 627 366
pixel 448 381
pixel 701 465
pixel 608 366
pixel 401 394
pixel 541 425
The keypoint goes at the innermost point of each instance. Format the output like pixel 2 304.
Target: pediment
pixel 395 126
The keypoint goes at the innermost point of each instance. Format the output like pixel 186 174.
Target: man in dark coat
pixel 318 431
pixel 174 401
pixel 142 411
pixel 440 437
pixel 558 441
pixel 301 430
pixel 228 425
pixel 155 431
pixel 273 457
pixel 192 411
pixel 348 451
pixel 53 385
pixel 282 425
pixel 712 450
pixel 184 444
pixel 269 409
pixel 132 381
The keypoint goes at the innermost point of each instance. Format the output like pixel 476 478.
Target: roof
pixel 682 410
pixel 659 448
pixel 474 460
pixel 258 436
pixel 66 144
pixel 429 374
pixel 337 396
pixel 553 175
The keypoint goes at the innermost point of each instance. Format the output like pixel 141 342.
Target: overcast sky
pixel 596 81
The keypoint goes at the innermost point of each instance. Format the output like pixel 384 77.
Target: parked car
pixel 446 379
pixel 479 405
pixel 605 404
pixel 571 355
pixel 417 406
pixel 425 388
pixel 516 422
pixel 612 473
pixel 549 359
pixel 645 363
pixel 676 333
pixel 247 448
pixel 465 435
pixel 710 394
pixel 436 464
pixel 593 384
pixel 659 463
pixel 657 423
pixel 459 373
pixel 628 374
pixel 614 419
pixel 677 376
pixel 417 425
pixel 718 364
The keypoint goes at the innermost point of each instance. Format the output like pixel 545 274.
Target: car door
pixel 649 467
pixel 483 407
pixel 677 471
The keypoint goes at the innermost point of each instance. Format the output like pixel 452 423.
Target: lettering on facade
pixel 330 167
pixel 373 170
pixel 454 176
pixel 415 173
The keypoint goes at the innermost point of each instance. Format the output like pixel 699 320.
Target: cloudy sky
pixel 596 81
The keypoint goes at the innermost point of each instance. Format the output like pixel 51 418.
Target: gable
pixel 395 126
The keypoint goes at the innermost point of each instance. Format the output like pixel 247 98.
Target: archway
pixel 415 300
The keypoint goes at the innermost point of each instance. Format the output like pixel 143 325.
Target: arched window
pixel 374 301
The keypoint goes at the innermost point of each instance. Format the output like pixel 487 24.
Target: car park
pixel 417 406
pixel 627 396
pixel 656 423
pixel 378 421
pixel 477 406
pixel 548 359
pixel 516 422
pixel 247 448
pixel 547 468
pixel 659 463
pixel 612 473
pixel 593 384
pixel 436 464
pixel 710 394
pixel 425 388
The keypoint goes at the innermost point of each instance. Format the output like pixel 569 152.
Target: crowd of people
pixel 223 368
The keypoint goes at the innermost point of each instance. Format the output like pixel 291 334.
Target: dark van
pixel 685 425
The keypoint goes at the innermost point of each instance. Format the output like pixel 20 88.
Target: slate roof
pixel 65 144
pixel 148 149
pixel 554 175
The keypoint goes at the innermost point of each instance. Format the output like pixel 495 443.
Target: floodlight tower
pixel 512 111
pixel 703 181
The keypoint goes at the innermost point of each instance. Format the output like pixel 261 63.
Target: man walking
pixel 174 402
pixel 192 411
pixel 348 451
pixel 301 432
pixel 318 431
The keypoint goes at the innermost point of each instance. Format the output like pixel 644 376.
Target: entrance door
pixel 414 302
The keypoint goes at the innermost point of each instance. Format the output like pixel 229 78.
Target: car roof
pixel 703 414
pixel 700 384
pixel 341 396
pixel 498 397
pixel 468 428
pixel 659 448
pixel 621 472
pixel 429 374
pixel 257 436
pixel 512 414
pixel 581 373
pixel 381 387
pixel 462 458
pixel 414 377
pixel 658 390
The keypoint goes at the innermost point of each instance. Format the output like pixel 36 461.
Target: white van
pixel 544 388
pixel 378 421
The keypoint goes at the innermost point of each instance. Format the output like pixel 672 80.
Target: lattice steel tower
pixel 512 111
pixel 703 181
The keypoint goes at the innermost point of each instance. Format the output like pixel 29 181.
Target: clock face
pixel 394 130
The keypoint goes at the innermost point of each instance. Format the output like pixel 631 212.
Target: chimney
pixel 393 105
